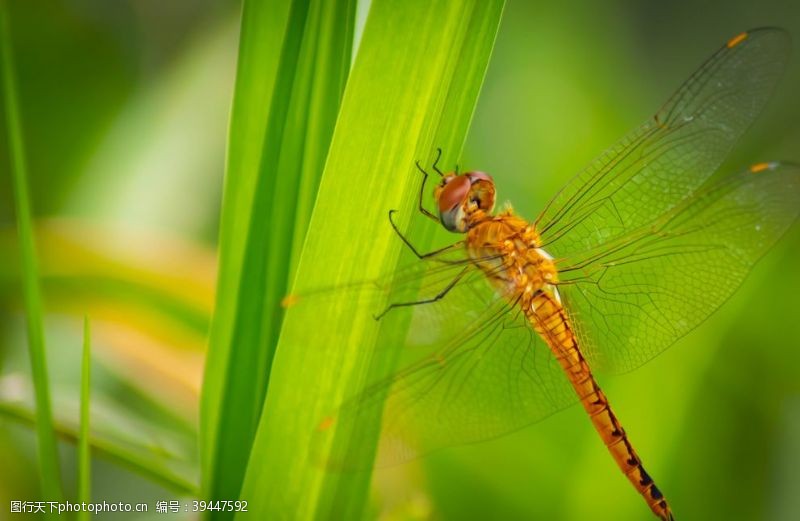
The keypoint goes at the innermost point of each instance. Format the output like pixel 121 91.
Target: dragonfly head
pixel 462 198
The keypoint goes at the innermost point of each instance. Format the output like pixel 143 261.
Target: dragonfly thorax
pixel 505 247
pixel 464 200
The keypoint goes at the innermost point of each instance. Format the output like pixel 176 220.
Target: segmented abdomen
pixel 550 320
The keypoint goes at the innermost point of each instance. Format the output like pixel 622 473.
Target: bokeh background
pixel 125 108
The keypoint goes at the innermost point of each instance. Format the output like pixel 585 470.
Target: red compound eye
pixel 454 193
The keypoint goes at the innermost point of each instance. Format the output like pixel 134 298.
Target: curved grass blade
pixel 154 463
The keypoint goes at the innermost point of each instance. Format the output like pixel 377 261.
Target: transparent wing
pixel 632 297
pixel 486 373
pixel 418 280
pixel 669 156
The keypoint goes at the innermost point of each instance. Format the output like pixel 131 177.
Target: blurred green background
pixel 125 108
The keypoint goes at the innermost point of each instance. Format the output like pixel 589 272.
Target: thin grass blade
pixel 46 438
pixel 153 463
pixel 84 451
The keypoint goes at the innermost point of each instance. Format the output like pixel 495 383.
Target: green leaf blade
pixel 413 87
pixel 269 195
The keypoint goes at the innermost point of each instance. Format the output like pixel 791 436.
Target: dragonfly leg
pixel 437 297
pixel 436 162
pixel 419 255
pixel 424 211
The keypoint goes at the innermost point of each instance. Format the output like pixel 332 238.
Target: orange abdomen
pixel 550 320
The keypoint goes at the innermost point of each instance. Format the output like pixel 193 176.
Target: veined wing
pixel 669 156
pixel 486 373
pixel 632 297
pixel 418 280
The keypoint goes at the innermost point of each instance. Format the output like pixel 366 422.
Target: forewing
pixel 669 156
pixel 633 297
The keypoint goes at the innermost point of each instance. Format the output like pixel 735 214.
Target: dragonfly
pixel 632 254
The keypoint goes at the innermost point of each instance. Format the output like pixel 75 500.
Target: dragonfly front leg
pixel 431 300
pixel 424 211
pixel 419 255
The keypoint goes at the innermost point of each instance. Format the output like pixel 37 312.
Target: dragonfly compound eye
pixel 460 196
pixel 450 197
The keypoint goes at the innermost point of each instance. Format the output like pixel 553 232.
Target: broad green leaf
pixel 293 61
pixel 413 87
